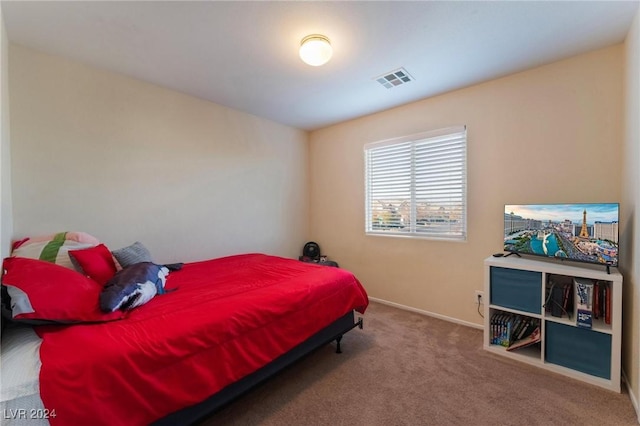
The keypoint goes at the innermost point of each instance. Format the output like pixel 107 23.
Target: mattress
pixel 20 401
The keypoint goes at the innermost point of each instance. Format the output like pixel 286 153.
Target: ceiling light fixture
pixel 315 50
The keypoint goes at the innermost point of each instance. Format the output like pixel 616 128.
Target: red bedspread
pixel 228 318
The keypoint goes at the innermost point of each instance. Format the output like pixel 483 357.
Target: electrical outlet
pixel 479 297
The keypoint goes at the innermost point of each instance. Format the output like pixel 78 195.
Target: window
pixel 417 186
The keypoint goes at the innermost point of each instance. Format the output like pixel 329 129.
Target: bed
pixel 222 326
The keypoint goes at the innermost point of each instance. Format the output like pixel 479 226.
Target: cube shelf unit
pixel 519 286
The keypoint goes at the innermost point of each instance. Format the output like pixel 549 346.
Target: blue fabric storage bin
pixel 516 289
pixel 580 349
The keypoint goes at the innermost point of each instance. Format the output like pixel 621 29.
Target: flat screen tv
pixel 577 232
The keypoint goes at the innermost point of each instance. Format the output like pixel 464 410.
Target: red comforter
pixel 227 318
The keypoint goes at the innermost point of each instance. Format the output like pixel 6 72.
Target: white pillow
pixel 55 248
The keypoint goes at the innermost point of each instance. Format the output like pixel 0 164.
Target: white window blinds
pixel 417 186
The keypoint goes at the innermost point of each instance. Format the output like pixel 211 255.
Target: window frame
pixel 455 132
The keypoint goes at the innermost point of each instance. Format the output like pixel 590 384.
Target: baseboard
pixel 632 396
pixel 427 313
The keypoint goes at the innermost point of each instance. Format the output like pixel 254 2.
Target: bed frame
pixel 216 402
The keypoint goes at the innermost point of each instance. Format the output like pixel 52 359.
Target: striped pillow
pixel 54 248
pixel 130 255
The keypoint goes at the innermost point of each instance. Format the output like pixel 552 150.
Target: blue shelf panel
pixel 580 349
pixel 516 289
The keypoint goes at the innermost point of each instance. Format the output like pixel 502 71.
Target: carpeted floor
pixel 409 369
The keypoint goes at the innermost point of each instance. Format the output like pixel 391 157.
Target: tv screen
pixel 578 232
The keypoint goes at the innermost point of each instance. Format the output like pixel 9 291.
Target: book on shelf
pixel 602 301
pixel 498 321
pixel 513 331
pixel 523 331
pixel 501 326
pixel 585 318
pixel 584 302
pixel 518 324
pixel 531 339
pixel 568 299
pixel 597 306
pixel 607 304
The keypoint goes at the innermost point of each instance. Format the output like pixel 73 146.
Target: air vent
pixel 394 78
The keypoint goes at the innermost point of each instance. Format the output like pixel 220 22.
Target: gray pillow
pixel 135 253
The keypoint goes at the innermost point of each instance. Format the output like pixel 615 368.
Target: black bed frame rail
pixel 216 402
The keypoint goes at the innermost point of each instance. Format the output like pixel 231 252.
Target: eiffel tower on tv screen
pixel 584 232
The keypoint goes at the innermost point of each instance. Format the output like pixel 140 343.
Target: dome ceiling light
pixel 315 50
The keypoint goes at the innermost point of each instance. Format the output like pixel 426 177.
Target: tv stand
pixel 521 289
pixel 512 253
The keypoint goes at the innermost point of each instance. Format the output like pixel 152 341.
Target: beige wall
pixel 125 160
pixel 630 221
pixel 6 221
pixel 551 134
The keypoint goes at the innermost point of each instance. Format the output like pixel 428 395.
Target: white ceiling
pixel 244 54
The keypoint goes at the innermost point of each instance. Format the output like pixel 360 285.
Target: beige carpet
pixel 409 369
